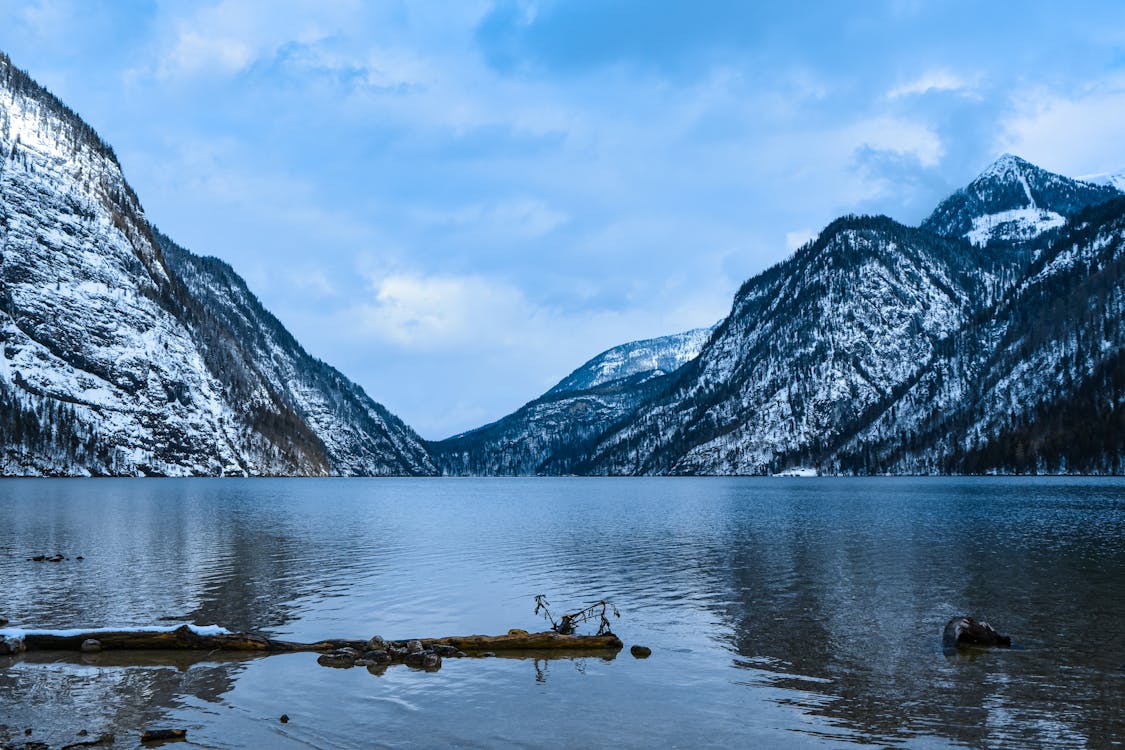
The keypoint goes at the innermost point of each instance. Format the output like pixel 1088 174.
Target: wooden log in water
pixel 184 638
pixel 546 641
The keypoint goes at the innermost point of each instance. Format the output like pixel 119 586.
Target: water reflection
pixel 783 612
pixel 844 598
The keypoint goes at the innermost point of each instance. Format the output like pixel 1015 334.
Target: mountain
pixel 358 436
pixel 114 360
pixel 986 339
pixel 1115 180
pixel 583 404
pixel 809 345
pixel 650 357
pixel 1013 201
pixel 1036 383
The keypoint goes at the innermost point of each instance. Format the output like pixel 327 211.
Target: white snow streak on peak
pixel 1017 224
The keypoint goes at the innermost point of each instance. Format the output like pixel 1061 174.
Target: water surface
pixel 781 613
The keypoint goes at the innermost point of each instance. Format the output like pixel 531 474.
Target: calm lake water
pixel 781 612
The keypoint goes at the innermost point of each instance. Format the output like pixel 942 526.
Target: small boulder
pixel 640 652
pixel 90 646
pixel 337 659
pixel 426 660
pixel 965 631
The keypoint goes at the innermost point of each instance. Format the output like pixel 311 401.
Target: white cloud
pixel 898 135
pixel 524 218
pixel 1073 133
pixel 799 237
pixel 430 313
pixel 229 36
pixel 933 81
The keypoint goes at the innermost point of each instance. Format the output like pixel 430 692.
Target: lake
pixel 795 612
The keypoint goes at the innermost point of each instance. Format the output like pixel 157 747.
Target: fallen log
pixel 187 637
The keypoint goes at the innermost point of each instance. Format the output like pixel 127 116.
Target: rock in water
pixel 640 652
pixel 162 735
pixel 965 631
pixel 341 659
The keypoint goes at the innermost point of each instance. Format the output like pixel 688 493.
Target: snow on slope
pixel 652 357
pixel 808 347
pixel 109 364
pixel 81 283
pixel 360 437
pixel 1013 201
pixel 585 403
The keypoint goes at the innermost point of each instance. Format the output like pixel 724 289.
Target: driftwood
pixel 184 638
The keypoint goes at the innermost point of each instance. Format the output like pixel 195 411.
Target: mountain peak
pixel 1013 200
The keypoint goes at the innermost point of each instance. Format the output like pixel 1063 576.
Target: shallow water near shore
pixel 789 612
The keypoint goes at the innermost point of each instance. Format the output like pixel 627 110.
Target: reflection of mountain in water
pixel 846 605
pixel 105 692
pixel 202 552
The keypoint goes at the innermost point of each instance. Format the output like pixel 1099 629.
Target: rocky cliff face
pixel 109 364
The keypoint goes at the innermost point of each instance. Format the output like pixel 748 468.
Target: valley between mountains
pixel 988 339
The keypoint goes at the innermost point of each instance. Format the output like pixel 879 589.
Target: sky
pixel 457 203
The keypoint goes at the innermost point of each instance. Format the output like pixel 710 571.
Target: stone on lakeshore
pixel 640 652
pixel 160 735
pixel 337 660
pixel 965 631
pixel 90 646
pixel 426 660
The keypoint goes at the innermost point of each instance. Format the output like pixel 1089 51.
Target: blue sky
pixel 456 203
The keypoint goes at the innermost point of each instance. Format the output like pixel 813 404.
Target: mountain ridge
pixel 137 377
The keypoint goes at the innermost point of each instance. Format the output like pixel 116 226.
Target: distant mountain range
pixel 988 339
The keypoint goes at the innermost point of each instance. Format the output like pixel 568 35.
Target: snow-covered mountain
pixel 582 405
pixel 808 347
pixel 111 364
pixel 649 357
pixel 1035 383
pixel 1013 201
pixel 1114 179
pixel 968 344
